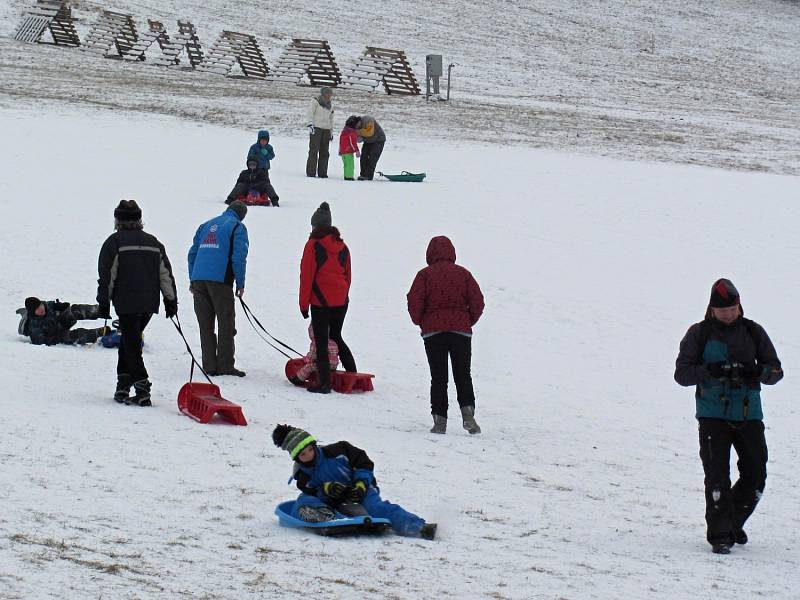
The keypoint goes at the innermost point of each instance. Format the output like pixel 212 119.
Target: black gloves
pixel 334 490
pixel 170 308
pixel 105 311
pixel 304 313
pixel 718 369
pixel 356 492
pixel 58 305
pixel 749 371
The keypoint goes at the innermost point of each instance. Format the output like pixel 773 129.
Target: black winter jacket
pixel 133 267
pixel 50 328
pixel 253 177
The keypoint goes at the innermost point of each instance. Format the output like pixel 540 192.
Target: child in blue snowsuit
pixel 262 150
pixel 328 476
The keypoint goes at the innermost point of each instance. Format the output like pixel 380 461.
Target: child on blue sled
pixel 330 477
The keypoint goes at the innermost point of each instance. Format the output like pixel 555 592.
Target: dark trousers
pixel 327 321
pixel 242 189
pixel 459 348
pixel 727 508
pixel 80 312
pixel 215 306
pixel 317 163
pixel 370 153
pixel 130 364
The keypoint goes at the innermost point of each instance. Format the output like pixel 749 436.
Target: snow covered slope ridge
pixel 712 83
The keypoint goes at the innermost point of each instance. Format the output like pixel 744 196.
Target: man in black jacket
pixel 253 178
pixel 133 268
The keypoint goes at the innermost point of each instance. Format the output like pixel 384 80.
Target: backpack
pixel 24 327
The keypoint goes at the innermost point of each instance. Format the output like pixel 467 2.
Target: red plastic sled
pixel 341 381
pixel 201 401
pixel 253 199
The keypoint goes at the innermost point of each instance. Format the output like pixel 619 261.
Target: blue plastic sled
pixel 342 525
pixel 113 339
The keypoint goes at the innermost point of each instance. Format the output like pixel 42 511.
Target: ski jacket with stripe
pixel 371 131
pixel 348 141
pixel 219 250
pixel 444 296
pixel 340 462
pixel 712 341
pixel 324 273
pixel 133 267
pixel 264 154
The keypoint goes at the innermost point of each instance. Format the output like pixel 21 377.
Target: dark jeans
pixel 317 163
pixel 328 322
pixel 370 153
pixel 459 348
pixel 215 306
pixel 130 364
pixel 727 508
pixel 242 189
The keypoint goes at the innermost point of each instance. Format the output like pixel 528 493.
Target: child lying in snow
pixel 338 474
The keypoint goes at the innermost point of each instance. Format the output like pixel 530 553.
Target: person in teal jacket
pixel 262 150
pixel 727 358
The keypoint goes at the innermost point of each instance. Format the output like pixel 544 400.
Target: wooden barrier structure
pixel 382 65
pixel 155 33
pixel 309 58
pixel 55 15
pixel 113 31
pixel 232 47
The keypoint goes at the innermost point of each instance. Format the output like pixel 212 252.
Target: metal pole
pixel 449 68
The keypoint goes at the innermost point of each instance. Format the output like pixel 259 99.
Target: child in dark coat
pixel 253 179
pixel 338 474
pixel 51 322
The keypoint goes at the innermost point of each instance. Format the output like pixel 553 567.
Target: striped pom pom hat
pixel 292 439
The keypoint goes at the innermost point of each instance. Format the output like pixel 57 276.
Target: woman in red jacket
pixel 325 285
pixel 446 301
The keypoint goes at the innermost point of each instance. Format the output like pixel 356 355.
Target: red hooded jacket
pixel 444 295
pixel 324 273
pixel 348 141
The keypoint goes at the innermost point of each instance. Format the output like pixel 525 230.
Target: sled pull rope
pixel 249 313
pixel 177 322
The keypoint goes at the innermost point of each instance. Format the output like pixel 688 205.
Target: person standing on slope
pixel 319 119
pixel 133 267
pixel 727 358
pixel 445 302
pixel 374 138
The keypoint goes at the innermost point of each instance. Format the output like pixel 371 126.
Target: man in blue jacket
pixel 217 259
pixel 728 358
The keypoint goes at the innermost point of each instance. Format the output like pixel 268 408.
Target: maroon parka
pixel 444 295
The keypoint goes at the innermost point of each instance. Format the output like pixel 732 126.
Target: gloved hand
pixel 58 305
pixel 718 369
pixel 170 308
pixel 356 492
pixel 304 313
pixel 331 135
pixel 105 311
pixel 334 490
pixel 239 292
pixel 750 371
pixel 311 130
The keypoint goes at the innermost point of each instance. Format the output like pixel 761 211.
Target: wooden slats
pixel 232 47
pixel 382 65
pixel 52 14
pixel 113 31
pixel 309 58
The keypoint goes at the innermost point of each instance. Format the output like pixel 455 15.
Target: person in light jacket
pixel 319 120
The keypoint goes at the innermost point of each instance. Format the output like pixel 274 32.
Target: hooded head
pixel 292 439
pixel 322 216
pixel 128 215
pixel 240 208
pixel 440 249
pixel 263 135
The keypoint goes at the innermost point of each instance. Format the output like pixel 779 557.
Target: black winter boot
pixel 439 424
pixel 428 531
pixel 123 390
pixel 740 537
pixel 721 548
pixel 142 393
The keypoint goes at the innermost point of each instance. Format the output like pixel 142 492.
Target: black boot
pixel 740 537
pixel 142 390
pixel 324 384
pixel 721 548
pixel 123 390
pixel 428 531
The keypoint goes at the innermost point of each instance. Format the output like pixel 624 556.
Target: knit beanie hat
pixel 251 159
pixel 240 208
pixel 723 294
pixel 321 216
pixel 291 439
pixel 32 303
pixel 128 210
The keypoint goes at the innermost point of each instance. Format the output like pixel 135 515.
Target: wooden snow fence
pixel 310 58
pixel 232 47
pixel 155 33
pixel 381 65
pixel 186 39
pixel 54 15
pixel 114 35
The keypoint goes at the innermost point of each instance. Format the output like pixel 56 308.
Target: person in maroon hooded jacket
pixel 324 286
pixel 446 301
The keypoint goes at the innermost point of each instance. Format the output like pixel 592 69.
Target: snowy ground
pixel 586 481
pixel 712 83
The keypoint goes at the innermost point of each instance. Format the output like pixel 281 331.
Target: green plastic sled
pixel 404 176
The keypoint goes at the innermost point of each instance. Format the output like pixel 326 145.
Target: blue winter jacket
pixel 340 462
pixel 219 250
pixel 264 154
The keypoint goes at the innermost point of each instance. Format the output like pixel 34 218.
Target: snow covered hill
pixel 586 482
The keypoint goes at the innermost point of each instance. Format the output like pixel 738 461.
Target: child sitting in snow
pixel 333 476
pixel 348 146
pixel 310 360
pixel 50 322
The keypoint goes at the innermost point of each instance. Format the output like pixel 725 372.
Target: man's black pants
pixel 130 364
pixel 727 508
pixel 370 153
pixel 459 348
